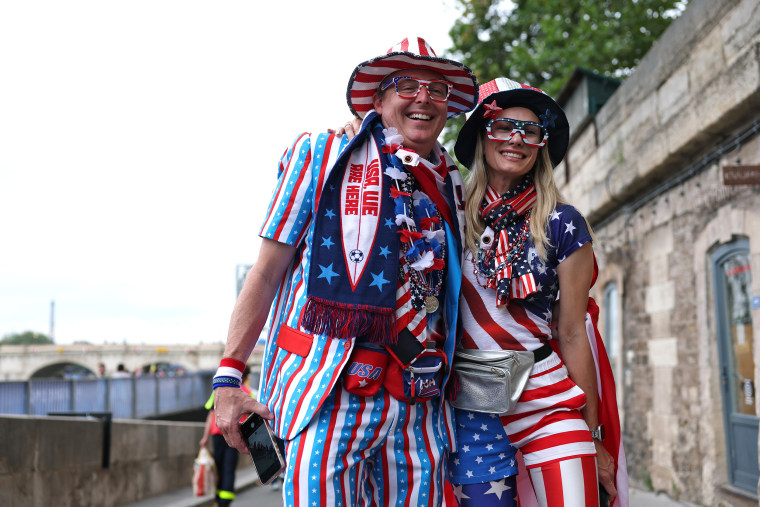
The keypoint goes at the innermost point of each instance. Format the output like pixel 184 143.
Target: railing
pixel 125 398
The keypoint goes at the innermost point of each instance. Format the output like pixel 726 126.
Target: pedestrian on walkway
pixel 121 372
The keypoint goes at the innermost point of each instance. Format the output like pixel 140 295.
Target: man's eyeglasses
pixel 502 130
pixel 408 88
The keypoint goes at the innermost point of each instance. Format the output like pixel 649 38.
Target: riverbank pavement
pixel 245 479
pixel 249 491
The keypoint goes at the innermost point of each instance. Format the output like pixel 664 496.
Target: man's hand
pixel 605 466
pixel 230 405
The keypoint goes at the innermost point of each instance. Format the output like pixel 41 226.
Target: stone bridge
pixel 21 362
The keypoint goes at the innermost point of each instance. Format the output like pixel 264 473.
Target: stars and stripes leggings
pixel 366 450
pixel 561 483
pixel 501 493
pixel 569 482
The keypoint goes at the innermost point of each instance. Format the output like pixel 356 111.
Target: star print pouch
pixel 365 371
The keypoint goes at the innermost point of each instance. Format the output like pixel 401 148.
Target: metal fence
pixel 125 398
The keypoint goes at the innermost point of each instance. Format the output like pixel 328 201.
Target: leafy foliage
pixel 541 43
pixel 26 338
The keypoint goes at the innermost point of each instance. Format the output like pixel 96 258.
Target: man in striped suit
pixel 360 259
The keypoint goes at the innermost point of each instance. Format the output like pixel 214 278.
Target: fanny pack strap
pixel 542 352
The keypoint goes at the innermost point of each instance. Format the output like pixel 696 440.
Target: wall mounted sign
pixel 741 175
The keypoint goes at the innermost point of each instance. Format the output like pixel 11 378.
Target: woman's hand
pixel 605 467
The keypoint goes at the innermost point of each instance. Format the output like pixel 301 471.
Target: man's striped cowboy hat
pixel 412 52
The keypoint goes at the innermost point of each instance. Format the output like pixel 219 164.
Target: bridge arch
pixel 63 369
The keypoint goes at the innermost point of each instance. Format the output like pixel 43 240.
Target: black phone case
pixel 604 497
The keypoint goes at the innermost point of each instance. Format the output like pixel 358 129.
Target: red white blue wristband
pixel 229 373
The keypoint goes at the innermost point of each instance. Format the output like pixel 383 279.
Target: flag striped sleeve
pixel 289 210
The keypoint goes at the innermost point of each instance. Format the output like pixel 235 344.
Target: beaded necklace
pixel 424 250
pixel 425 282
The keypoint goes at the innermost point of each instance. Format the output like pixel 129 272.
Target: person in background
pixel 524 247
pixel 101 370
pixel 121 372
pixel 360 254
pixel 225 457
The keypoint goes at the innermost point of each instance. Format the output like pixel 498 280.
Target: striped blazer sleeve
pixel 288 214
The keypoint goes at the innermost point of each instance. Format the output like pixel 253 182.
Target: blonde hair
pixel 547 197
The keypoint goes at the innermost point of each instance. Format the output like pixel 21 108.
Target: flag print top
pixel 525 323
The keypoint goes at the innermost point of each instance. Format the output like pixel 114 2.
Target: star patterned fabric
pixel 567 231
pixel 489 455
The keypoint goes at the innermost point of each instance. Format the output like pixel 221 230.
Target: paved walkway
pixel 245 480
pixel 251 492
pixel 638 498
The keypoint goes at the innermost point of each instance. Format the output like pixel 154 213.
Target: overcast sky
pixel 139 143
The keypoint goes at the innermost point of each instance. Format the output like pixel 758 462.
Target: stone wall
pixel 673 427
pixel 647 172
pixel 697 83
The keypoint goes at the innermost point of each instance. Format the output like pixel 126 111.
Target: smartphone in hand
pixel 264 448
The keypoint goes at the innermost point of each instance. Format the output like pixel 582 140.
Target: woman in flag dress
pixel 523 247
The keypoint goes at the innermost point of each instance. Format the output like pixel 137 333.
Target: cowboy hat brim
pixel 367 76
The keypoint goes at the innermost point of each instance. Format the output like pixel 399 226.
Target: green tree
pixel 541 43
pixel 26 338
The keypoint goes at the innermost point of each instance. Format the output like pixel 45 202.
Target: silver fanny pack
pixel 491 380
